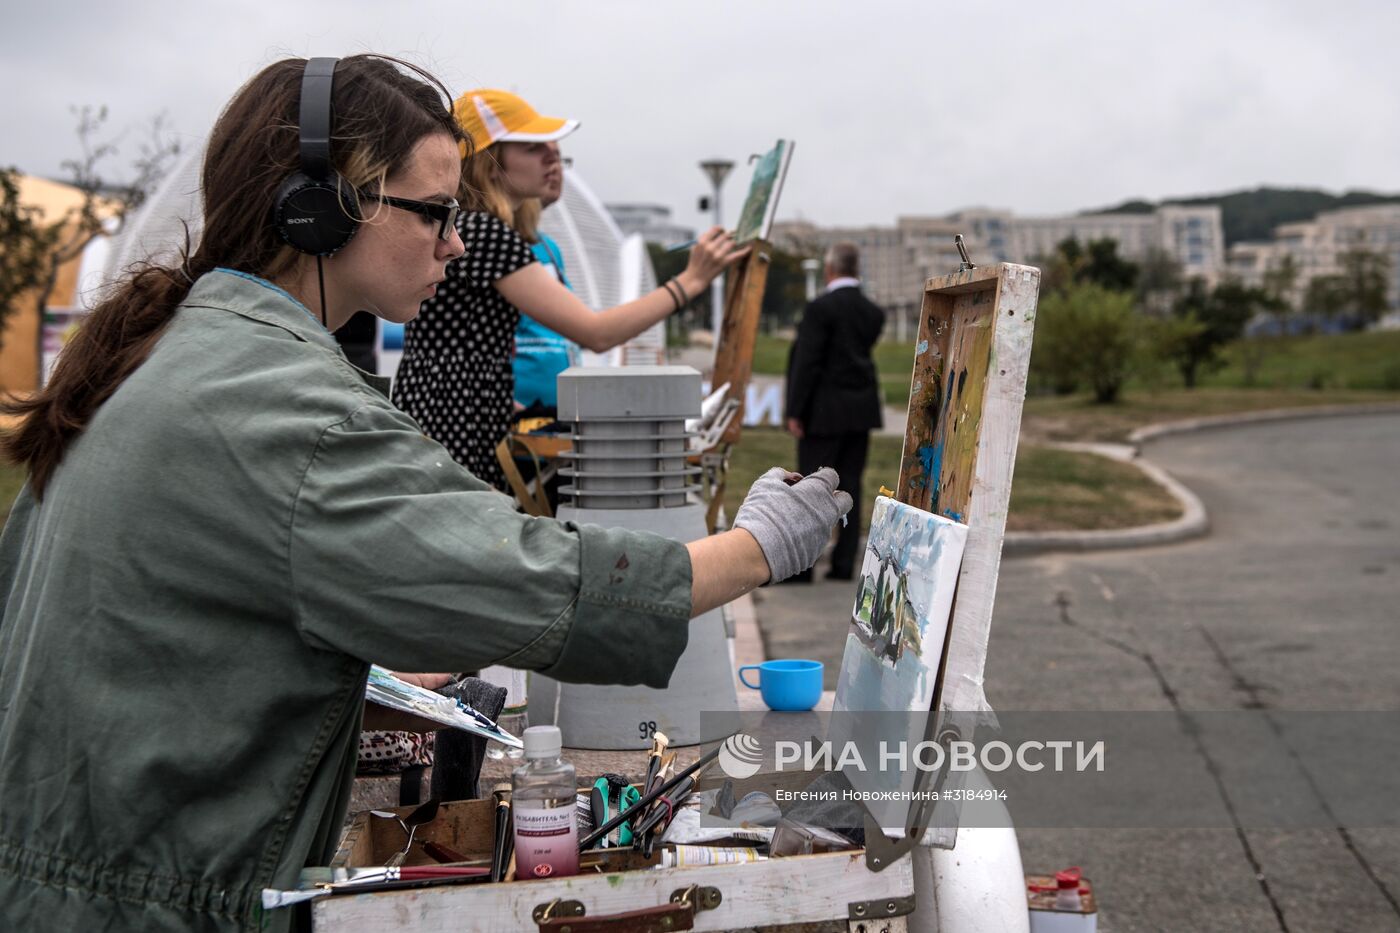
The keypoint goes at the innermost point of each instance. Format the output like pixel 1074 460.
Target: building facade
pixel 896 261
pixel 652 221
pixel 1315 248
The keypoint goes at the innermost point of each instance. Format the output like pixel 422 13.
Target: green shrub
pixel 1086 335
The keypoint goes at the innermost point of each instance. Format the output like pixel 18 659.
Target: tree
pixel 1103 266
pixel 1055 363
pixel 1159 281
pixel 1280 284
pixel 1356 294
pixel 668 265
pixel 1057 270
pixel 1217 317
pixel 1280 279
pixel 1326 295
pixel 25 245
pixel 785 292
pixel 1108 334
pixel 1366 278
pixel 1098 263
pixel 103 210
pixel 1086 334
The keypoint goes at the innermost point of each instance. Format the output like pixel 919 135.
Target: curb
pixel 1194 522
pixel 1164 428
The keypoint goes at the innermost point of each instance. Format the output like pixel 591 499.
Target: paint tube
pixel 691 856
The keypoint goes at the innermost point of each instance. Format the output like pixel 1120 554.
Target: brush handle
pixel 504 842
pixel 662 812
pixel 418 872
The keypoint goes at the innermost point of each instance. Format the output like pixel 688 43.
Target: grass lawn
pixel 1056 490
pixel 893 361
pixel 1367 361
pixel 1363 361
pixel 1052 488
pixel 1077 418
pixel 1291 372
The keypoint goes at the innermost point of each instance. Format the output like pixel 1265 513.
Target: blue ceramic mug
pixel 791 686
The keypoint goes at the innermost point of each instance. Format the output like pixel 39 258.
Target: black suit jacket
pixel 832 386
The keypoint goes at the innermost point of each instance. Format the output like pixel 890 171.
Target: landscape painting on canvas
pixel 900 618
pixel 760 207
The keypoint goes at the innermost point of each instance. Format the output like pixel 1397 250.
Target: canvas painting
pixel 900 618
pixel 756 218
pixel 894 646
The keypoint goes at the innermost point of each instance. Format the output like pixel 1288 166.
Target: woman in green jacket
pixel 224 523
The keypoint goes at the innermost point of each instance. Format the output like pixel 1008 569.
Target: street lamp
pixel 717 170
pixel 810 268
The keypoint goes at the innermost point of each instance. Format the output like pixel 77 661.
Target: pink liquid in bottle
pixel 543 791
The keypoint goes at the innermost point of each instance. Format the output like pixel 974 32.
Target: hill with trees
pixel 1253 215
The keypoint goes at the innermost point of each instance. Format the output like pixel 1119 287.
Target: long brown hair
pixel 382 107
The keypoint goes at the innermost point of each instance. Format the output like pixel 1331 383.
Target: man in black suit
pixel 833 393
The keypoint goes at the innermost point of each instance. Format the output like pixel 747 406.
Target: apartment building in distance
pixel 897 260
pixel 652 221
pixel 1315 247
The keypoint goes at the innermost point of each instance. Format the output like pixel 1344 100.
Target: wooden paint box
pixel 804 889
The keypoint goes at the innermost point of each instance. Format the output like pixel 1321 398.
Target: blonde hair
pixel 484 189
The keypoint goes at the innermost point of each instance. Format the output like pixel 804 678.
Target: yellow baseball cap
pixel 489 116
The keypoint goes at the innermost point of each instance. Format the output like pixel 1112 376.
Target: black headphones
pixel 316 210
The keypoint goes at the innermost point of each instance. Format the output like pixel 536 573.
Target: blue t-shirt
pixel 541 354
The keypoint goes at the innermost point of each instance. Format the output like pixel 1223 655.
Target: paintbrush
pixel 654 826
pixel 668 771
pixel 386 879
pixel 654 766
pixel 647 799
pixel 505 839
pixel 658 748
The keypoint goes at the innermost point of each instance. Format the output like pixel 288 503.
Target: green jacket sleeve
pixel 401 557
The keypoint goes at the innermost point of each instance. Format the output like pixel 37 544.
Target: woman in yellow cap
pixel 455 377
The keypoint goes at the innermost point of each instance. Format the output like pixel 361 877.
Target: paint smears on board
pixel 931 460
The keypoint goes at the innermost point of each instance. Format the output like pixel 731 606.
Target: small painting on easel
pixel 769 171
pixel 900 618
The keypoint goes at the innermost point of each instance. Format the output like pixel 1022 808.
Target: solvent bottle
pixel 543 795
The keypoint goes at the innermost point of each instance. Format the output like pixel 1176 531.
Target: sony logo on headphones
pixel 301 220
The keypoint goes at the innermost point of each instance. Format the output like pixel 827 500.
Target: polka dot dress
pixel 455 377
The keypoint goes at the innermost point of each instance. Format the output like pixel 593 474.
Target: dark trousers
pixel 846 454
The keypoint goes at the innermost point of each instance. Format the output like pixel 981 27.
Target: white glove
pixel 791 517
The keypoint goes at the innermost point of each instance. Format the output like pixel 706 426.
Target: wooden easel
pixel 969 384
pixel 743 303
pixel 734 345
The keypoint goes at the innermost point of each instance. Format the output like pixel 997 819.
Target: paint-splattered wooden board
pixel 745 284
pixel 968 387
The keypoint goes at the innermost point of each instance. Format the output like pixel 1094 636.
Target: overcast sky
pixel 896 108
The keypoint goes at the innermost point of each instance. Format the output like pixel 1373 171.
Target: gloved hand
pixel 791 517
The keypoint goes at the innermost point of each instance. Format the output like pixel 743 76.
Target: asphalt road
pixel 1291 603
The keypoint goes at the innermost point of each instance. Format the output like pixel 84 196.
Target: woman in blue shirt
pixel 456 376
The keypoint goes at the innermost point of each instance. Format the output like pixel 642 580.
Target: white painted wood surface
pixel 1017 291
pixel 801 889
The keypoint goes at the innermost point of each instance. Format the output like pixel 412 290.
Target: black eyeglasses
pixel 444 212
